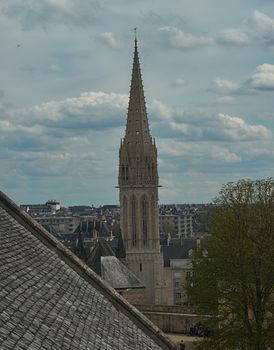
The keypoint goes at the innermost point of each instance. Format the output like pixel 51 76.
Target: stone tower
pixel 138 183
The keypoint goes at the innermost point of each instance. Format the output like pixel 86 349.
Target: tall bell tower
pixel 138 183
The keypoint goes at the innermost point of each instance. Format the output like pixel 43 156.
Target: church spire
pixel 138 153
pixel 138 183
pixel 137 122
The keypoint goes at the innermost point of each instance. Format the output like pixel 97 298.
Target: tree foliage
pixel 233 274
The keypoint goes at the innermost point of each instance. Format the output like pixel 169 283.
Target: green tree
pixel 233 273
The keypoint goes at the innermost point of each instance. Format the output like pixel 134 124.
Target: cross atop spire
pixel 135 34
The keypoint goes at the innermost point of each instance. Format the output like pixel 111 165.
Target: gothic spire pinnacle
pixel 137 122
pixel 138 153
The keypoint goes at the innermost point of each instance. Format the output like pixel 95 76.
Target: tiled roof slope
pixel 49 299
pixel 118 275
pixel 103 261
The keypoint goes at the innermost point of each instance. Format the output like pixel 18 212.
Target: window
pixel 152 215
pixel 144 220
pixel 133 221
pixel 178 295
pixel 141 268
pixel 125 214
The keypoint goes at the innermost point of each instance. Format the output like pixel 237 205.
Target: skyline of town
pixel 66 71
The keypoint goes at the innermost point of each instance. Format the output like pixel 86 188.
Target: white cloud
pixel 177 38
pixel 161 110
pixel 236 128
pixel 226 100
pixel 263 78
pixel 42 13
pixel 220 127
pixel 179 82
pixel 225 85
pixel 45 156
pixel 54 68
pixel 234 36
pixel 185 129
pixel 82 108
pixel 263 26
pixel 7 126
pixel 197 152
pixel 109 39
pixel 258 150
pixel 267 116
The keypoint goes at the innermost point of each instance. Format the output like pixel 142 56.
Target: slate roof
pixel 118 275
pixel 101 248
pixel 49 299
pixel 178 251
pixel 103 261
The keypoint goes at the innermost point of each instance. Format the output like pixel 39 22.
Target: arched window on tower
pixel 133 221
pixel 144 219
pixel 125 216
pixel 152 217
pixel 152 171
pixel 123 172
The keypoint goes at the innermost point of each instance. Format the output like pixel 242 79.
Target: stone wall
pixel 134 296
pixel 181 309
pixel 173 323
pixel 171 319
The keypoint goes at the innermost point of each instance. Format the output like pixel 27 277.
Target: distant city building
pixel 59 224
pixel 81 227
pixel 51 206
pixel 177 225
pixel 177 267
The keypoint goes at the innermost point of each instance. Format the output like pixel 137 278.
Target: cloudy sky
pixel 208 71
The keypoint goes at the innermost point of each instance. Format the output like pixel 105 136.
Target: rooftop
pixel 49 299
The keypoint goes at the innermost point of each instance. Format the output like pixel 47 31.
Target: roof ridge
pixel 84 271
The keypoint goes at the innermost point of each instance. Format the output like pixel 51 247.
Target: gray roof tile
pixel 117 274
pixel 50 300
